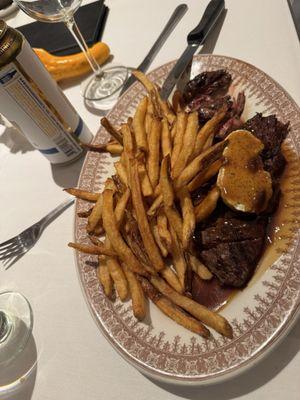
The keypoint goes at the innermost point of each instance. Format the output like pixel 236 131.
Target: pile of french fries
pixel 141 225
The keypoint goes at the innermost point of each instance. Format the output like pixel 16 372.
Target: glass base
pixel 102 87
pixel 15 325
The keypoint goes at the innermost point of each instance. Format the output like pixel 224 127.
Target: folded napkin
pixel 56 38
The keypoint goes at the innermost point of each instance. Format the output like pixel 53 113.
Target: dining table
pixel 71 358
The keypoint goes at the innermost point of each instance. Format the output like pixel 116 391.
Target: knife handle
pixel 210 16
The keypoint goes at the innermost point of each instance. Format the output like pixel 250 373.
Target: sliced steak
pixel 208 92
pixel 233 262
pixel 231 248
pixel 272 133
pixel 209 83
pixel 231 230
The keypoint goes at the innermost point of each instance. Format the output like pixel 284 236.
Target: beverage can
pixel 33 102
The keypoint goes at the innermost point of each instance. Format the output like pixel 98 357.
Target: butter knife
pixel 173 21
pixel 195 38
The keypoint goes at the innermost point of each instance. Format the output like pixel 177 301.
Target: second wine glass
pixel 105 81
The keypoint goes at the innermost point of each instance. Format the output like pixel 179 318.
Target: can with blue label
pixel 33 102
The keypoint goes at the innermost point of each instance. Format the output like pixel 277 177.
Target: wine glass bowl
pixel 16 323
pixel 48 10
pixel 18 355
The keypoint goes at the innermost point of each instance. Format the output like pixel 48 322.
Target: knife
pixel 173 21
pixel 195 38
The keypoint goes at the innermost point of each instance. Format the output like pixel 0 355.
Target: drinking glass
pixel 104 82
pixel 16 323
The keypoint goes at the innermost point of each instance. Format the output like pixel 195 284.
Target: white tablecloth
pixel 74 361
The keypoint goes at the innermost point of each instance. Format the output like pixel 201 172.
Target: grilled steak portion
pixel 272 133
pixel 207 93
pixel 231 248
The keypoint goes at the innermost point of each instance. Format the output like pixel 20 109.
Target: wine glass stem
pixel 5 326
pixel 73 27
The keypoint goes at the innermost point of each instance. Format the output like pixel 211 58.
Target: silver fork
pixel 14 248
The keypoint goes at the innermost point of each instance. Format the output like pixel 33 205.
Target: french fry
pixel 139 125
pixel 154 150
pixel 148 117
pixel 113 148
pixel 145 181
pixel 172 279
pixel 110 184
pixel 94 218
pixel 188 142
pixel 128 142
pixel 206 175
pixel 174 131
pixel 98 249
pixel 178 258
pixel 118 277
pixel 166 110
pixel 111 130
pixel 201 162
pixel 188 216
pixel 166 143
pixel 121 206
pixel 128 147
pixel 83 194
pixel 181 123
pixel 208 130
pixel 176 101
pixel 209 142
pixel 172 311
pixel 141 217
pixel 157 190
pixel 165 183
pixel 115 237
pixel 144 80
pixel 137 294
pixel 207 205
pixel 199 268
pixel 105 279
pixel 121 171
pixel 175 220
pixel 163 249
pixel 154 98
pixel 164 233
pixel 210 318
pixel 155 205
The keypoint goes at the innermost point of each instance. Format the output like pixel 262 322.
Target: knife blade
pixel 173 21
pixel 195 38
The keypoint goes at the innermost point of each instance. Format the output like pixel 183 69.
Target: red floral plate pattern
pixel 260 314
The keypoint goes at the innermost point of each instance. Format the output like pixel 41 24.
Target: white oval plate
pixel 262 312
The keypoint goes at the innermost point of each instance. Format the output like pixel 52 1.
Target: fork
pixel 15 247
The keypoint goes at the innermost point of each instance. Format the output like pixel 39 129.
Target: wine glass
pixel 16 323
pixel 105 82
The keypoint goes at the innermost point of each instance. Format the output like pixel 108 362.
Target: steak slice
pixel 231 230
pixel 231 247
pixel 270 131
pixel 234 262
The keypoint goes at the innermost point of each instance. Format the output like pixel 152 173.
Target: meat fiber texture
pixel 231 246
